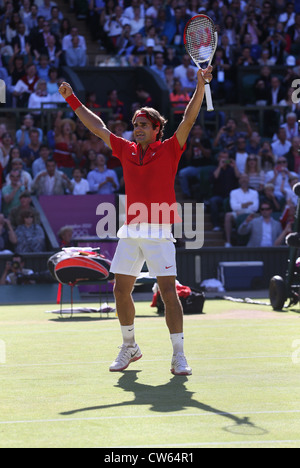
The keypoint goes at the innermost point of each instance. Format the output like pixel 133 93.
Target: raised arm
pixel 92 122
pixel 193 108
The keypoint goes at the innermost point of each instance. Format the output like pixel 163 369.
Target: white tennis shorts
pixel 131 254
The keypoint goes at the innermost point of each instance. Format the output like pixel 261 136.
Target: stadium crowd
pixel 249 174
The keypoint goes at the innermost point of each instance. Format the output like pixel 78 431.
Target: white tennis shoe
pixel 125 357
pixel 179 365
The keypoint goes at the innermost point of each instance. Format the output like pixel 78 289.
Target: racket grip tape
pixel 209 103
pixel 73 102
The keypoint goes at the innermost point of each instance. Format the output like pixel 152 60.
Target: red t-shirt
pixel 149 178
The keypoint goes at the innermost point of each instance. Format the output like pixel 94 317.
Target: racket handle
pixel 209 103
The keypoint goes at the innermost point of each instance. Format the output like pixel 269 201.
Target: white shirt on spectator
pixel 238 197
pixel 80 188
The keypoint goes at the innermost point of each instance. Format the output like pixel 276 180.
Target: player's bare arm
pixel 193 108
pixel 87 117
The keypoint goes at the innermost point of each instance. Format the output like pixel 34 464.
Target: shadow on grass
pixel 170 398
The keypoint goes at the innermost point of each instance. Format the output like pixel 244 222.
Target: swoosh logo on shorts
pixel 168 267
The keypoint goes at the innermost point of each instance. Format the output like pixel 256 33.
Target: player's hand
pixel 65 90
pixel 205 75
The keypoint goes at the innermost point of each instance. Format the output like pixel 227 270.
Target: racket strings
pixel 200 39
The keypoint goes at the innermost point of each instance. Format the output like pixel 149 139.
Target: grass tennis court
pixel 56 390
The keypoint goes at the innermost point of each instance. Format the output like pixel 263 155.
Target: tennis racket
pixel 200 39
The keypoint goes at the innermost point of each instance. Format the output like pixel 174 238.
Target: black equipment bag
pixel 192 304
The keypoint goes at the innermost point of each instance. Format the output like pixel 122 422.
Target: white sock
pixel 128 335
pixel 177 342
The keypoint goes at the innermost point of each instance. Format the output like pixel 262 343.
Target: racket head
pixel 200 39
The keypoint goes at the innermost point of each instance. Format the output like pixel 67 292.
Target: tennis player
pixel 149 169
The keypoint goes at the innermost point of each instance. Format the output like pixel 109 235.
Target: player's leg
pixel 129 351
pixel 173 308
pixel 174 320
pixel 126 265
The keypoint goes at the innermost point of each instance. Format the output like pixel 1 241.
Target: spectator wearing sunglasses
pixel 264 230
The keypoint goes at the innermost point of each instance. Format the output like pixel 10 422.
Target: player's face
pixel 143 131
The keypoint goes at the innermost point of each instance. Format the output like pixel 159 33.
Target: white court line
pixel 150 416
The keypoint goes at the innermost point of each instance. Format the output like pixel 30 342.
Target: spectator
pixel 267 160
pixel 179 100
pixel 102 180
pixel 190 81
pixel 45 9
pixel 253 170
pixel 228 135
pixel 31 21
pixel 291 126
pixel 11 193
pixel 26 179
pixel 6 145
pixel 55 21
pixel 80 185
pixel 51 181
pixel 66 146
pixel 224 179
pixel 96 9
pixel 113 26
pixel 31 237
pixel 197 155
pixel 39 99
pixel 39 164
pixel 16 67
pixel 159 65
pixel 276 92
pixel 94 143
pixel 115 105
pixel 290 197
pixel 223 86
pixel 14 153
pixel 180 70
pixel 242 201
pixel 137 22
pixel 53 51
pixel 149 57
pixel 245 59
pixel 294 33
pixel 25 14
pixel 23 133
pixel 25 86
pixel 269 196
pixel 25 205
pixel 241 154
pixel 14 269
pixel 265 58
pixel 279 177
pixel 169 78
pixel 276 44
pixel 75 55
pixel 125 41
pixel 31 152
pixel 20 42
pixel 136 50
pixel 52 85
pixel 293 155
pixel 43 67
pixel 8 237
pixel 264 230
pixel 65 235
pixel 281 145
pixel 254 144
